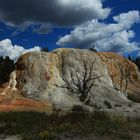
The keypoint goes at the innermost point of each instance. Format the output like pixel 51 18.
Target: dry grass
pixel 40 126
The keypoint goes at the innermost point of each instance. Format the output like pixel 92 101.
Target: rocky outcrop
pixel 124 74
pixel 42 78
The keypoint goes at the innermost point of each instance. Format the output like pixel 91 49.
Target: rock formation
pixel 39 80
pixel 123 73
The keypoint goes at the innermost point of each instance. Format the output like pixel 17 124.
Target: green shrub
pixel 134 98
pixel 78 108
pixel 96 106
pixel 48 135
pixel 108 104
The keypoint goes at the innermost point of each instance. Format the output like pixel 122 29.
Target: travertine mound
pixel 124 74
pixel 42 77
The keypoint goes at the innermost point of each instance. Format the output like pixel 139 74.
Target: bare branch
pixel 94 78
pixel 91 69
pixel 82 85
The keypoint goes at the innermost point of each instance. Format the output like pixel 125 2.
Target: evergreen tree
pixel 45 49
pixel 92 48
pixel 6 67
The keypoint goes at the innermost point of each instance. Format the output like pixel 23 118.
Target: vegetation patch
pixel 78 108
pixel 40 126
pixel 108 104
pixel 134 98
pixel 6 67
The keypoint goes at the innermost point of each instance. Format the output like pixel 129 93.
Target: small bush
pixel 48 135
pixel 78 108
pixel 117 105
pixel 96 106
pixel 134 98
pixel 108 104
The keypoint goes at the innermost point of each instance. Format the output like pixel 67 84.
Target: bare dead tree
pixel 125 75
pixel 121 67
pixel 114 84
pixel 81 84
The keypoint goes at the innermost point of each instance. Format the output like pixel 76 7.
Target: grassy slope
pixel 39 126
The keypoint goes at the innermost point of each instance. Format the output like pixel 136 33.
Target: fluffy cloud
pixel 7 49
pixel 118 42
pixel 58 12
pixel 115 37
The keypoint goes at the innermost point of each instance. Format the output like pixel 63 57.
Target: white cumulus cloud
pixel 7 49
pixel 115 37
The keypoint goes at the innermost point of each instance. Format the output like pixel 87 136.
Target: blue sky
pixel 49 30
pixel 29 39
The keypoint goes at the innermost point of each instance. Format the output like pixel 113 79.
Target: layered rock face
pixel 48 78
pixel 124 74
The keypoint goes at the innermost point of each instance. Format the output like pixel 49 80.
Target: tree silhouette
pixel 81 84
pixel 6 67
pixel 45 49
